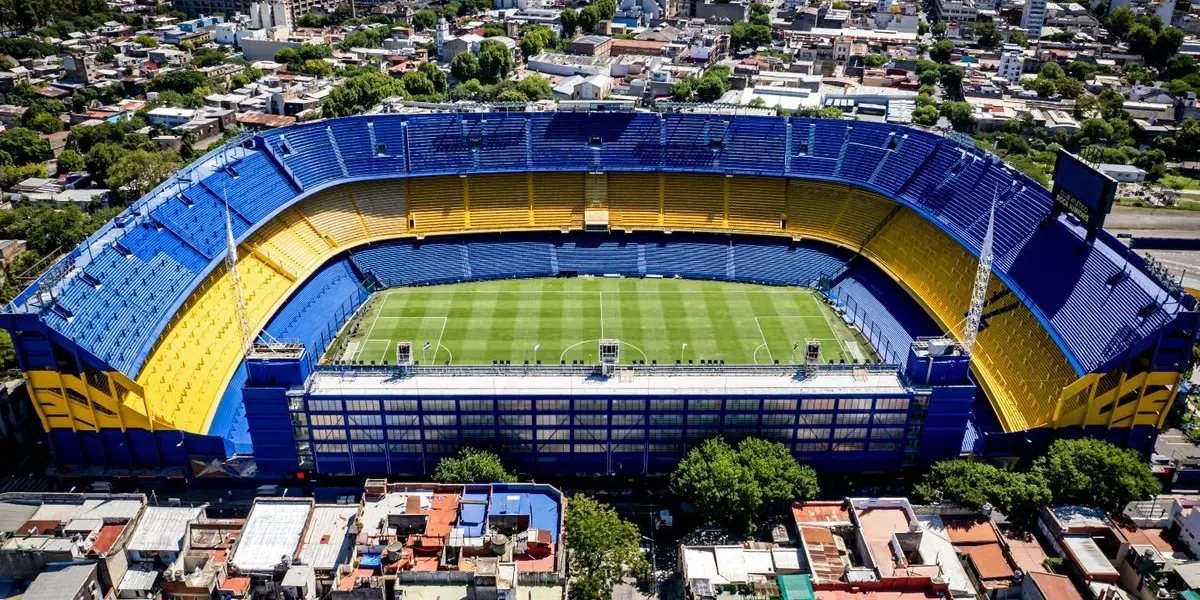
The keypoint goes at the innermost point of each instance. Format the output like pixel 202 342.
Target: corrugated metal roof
pixel 59 581
pixel 326 539
pixel 138 578
pixel 272 534
pixel 13 515
pixel 161 529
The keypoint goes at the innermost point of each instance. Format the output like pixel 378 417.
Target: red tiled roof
pixel 107 537
pixel 237 585
pixel 1058 587
pixel 988 560
pixel 971 531
pixel 822 549
pixel 820 512
pixel 33 527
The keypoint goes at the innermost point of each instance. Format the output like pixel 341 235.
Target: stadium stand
pixel 147 301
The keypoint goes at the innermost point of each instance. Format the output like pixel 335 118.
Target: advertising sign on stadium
pixel 1082 190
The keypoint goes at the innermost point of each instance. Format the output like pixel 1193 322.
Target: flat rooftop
pixel 272 534
pixel 371 384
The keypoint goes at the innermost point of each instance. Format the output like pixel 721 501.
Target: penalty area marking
pixel 436 345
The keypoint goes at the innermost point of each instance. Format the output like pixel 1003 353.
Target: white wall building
pixel 1012 62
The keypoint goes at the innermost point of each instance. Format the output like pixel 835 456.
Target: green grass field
pixel 478 323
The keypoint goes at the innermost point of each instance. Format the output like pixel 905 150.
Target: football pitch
pixel 553 321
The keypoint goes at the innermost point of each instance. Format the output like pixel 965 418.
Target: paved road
pixel 1159 222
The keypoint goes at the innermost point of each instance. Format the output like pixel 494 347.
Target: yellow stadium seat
pixel 437 204
pixel 332 212
pixel 557 199
pixel 382 206
pixel 694 201
pixel 756 203
pixel 633 200
pixel 499 202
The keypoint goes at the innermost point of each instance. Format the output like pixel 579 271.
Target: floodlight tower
pixel 235 281
pixel 982 275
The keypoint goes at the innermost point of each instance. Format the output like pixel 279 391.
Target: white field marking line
pixel 439 339
pixel 351 348
pixel 563 356
pixel 754 356
pixel 451 361
pixel 843 343
pixel 371 330
pixel 770 357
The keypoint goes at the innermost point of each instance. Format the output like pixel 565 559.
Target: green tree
pixel 605 9
pixel 1187 140
pixel 972 485
pixel 287 56
pixel 45 123
pixel 359 93
pixel 146 41
pixel 1092 472
pixel 1069 88
pixel 416 84
pixel 138 171
pixel 1082 70
pixel 605 549
pixel 874 60
pixel 208 57
pixel 424 19
pixel 470 89
pixel 986 35
pixel 683 89
pixel 1180 66
pixel 495 61
pixel 746 35
pixel 731 485
pixel 472 466
pixel 1142 39
pixel 960 114
pixel 939 29
pixel 1120 21
pixel 588 18
pixel 183 82
pixel 709 89
pixel 316 67
pixel 435 75
pixel 509 95
pixel 926 115
pixel 536 38
pixel 941 50
pixel 569 20
pixel 1052 71
pixel 70 161
pixel 535 87
pixel 493 29
pixel 464 66
pixel 1044 87
pixel 106 54
pixel 24 145
pixel 1166 46
pixel 1094 131
pixel 101 157
pixel 314 51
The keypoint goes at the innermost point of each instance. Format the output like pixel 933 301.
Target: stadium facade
pixel 136 345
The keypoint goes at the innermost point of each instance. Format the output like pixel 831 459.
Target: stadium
pixel 592 291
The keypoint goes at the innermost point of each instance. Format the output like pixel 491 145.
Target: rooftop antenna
pixel 982 275
pixel 235 279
